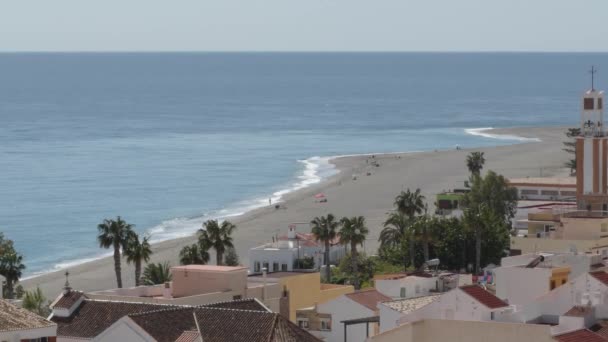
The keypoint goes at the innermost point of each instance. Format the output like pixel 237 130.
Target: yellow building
pixel 305 289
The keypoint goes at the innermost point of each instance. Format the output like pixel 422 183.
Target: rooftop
pixel 15 318
pixel 67 300
pixel 411 304
pixel 280 274
pixel 579 311
pixel 582 335
pixel 368 298
pixel 483 296
pixel 602 276
pixel 544 181
pixel 208 268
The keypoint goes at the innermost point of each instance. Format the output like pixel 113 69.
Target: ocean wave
pixel 482 132
pixel 315 169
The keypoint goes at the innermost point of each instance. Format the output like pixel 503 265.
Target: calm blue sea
pixel 167 140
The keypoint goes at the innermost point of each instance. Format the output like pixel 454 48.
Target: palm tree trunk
pixel 219 256
pixel 137 272
pixel 477 251
pixel 327 265
pixel 355 265
pixel 117 266
pixel 412 252
pixel 10 292
pixel 425 248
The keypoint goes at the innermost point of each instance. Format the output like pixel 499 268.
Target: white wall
pixel 389 318
pixel 392 287
pixel 124 330
pixel 520 285
pixel 272 255
pixel 18 335
pixel 343 308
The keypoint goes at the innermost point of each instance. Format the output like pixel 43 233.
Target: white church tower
pixel 592 152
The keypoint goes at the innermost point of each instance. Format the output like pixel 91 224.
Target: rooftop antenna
pixel 593 71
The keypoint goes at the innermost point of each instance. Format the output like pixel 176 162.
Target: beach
pixel 370 195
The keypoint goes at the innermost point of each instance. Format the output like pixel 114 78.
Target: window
pixel 256 267
pixel 604 227
pixel 237 297
pixel 564 281
pixel 303 323
pixel 549 192
pixel 275 267
pixel 529 192
pixel 552 284
pixel 265 265
pixel 599 103
pixel 568 193
pixel 325 324
pixel 402 292
pixel 588 103
pixel 284 267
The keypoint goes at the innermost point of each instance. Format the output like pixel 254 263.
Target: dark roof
pixel 15 318
pixel 601 276
pixel 92 317
pixel 368 298
pixel 166 324
pixel 582 335
pixel 579 311
pixel 221 325
pixel 600 328
pixel 484 297
pixel 67 300
pixel 240 304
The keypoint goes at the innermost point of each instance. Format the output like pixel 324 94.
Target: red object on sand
pixel 320 195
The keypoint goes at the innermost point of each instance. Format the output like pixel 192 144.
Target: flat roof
pixel 280 274
pixel 209 268
pixel 567 182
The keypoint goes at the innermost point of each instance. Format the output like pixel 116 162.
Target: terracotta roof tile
pixel 483 296
pixel 601 276
pixel 368 298
pixel 600 328
pixel 67 300
pixel 15 318
pixel 582 335
pixel 166 324
pixel 579 311
pixel 189 336
pixel 241 304
pixel 93 317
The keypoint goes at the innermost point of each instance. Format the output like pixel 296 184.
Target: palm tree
pixel 136 252
pixel 193 255
pixel 35 301
pixel 324 230
pixel 478 220
pixel 11 267
pixel 475 161
pixel 410 203
pixel 353 232
pixel 397 228
pixel 423 230
pixel 115 234
pixel 218 237
pixel 158 273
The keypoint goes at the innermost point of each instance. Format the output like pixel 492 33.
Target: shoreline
pixel 87 275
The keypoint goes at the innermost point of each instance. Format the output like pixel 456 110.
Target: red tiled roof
pixel 601 276
pixel 188 336
pixel 484 297
pixel 579 311
pixel 67 300
pixel 15 318
pixel 368 298
pixel 582 335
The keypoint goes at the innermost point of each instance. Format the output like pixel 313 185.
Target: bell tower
pixel 592 152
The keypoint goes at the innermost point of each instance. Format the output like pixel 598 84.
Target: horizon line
pixel 302 51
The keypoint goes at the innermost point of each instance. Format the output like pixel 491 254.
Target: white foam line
pixel 481 132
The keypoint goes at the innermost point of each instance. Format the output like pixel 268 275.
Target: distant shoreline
pixel 256 225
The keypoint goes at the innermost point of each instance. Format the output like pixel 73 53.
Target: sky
pixel 303 25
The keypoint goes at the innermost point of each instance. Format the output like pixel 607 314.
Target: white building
pixel 327 320
pixel 291 252
pixel 403 285
pixel 523 278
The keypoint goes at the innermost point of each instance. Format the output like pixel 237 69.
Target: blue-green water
pixel 168 140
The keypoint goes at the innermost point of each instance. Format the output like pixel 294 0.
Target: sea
pixel 168 140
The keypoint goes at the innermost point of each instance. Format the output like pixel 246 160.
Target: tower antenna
pixel 593 71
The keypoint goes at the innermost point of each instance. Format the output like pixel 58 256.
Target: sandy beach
pixel 371 196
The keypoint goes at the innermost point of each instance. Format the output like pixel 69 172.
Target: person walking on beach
pixel 270 201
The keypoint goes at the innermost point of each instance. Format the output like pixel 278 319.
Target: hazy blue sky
pixel 309 25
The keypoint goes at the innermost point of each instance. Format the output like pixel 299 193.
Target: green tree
pixel 11 267
pixel 157 273
pixel 217 236
pixel 410 203
pixel 324 230
pixel 193 255
pixel 138 252
pixel 36 302
pixel 570 147
pixel 115 234
pixel 232 258
pixel 397 232
pixel 353 233
pixel 424 228
pixel 475 162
